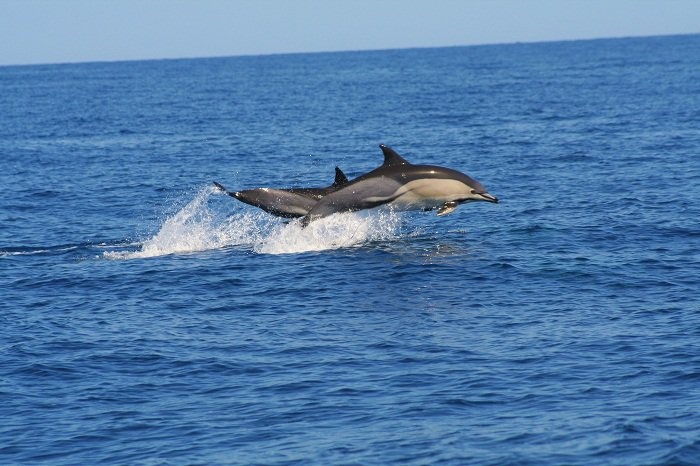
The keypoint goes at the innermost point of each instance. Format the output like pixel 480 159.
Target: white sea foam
pixel 197 227
pixel 337 231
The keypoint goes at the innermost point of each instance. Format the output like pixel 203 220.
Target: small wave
pixel 79 251
pixel 197 227
pixel 31 251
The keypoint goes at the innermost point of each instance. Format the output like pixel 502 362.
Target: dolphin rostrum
pixel 402 186
pixel 287 203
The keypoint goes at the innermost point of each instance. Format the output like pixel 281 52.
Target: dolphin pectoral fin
pixel 447 208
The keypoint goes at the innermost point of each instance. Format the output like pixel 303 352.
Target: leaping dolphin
pixel 287 203
pixel 403 186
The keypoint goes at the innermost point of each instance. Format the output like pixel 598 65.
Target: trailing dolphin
pixel 287 203
pixel 403 186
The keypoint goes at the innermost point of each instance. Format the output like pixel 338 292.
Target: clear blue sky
pixel 56 31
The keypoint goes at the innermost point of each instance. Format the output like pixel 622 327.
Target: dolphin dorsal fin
pixel 391 157
pixel 340 178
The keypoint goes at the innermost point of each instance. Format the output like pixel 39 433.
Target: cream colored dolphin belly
pixel 428 194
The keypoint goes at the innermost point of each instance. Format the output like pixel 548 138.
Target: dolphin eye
pixel 474 191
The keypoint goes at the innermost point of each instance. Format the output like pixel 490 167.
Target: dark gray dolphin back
pixel 288 202
pixel 317 193
pixel 393 163
pixel 392 159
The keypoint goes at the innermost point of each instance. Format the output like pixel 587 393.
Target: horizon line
pixel 379 49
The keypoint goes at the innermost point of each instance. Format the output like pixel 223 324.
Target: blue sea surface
pixel 147 319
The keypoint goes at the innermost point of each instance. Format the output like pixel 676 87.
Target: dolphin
pixel 403 186
pixel 289 202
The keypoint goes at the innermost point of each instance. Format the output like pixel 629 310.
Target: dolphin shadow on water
pixel 397 183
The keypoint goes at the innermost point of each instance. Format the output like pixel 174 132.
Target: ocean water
pixel 147 319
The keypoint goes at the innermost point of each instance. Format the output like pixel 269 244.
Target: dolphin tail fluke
pixel 220 187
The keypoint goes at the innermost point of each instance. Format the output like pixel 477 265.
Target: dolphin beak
pixel 488 198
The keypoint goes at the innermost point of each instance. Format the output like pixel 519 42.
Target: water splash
pixel 337 231
pixel 198 227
